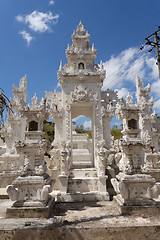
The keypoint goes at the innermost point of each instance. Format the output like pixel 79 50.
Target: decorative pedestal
pixel 134 193
pixel 31 196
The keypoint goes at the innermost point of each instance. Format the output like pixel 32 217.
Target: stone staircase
pixel 81 157
pixel 82 180
pixel 83 185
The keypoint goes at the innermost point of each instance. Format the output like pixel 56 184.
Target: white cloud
pixel 26 36
pixel 136 69
pixel 87 124
pixel 118 124
pixel 155 88
pixel 51 2
pixel 19 18
pixel 151 63
pixel 121 71
pixel 78 118
pixel 122 92
pixel 157 105
pixel 125 66
pixel 39 21
pixel 114 68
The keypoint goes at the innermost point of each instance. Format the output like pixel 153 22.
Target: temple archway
pixel 82 142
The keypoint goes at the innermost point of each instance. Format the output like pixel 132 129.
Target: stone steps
pixel 81 164
pixel 81 185
pixel 83 172
pixel 83 180
pixel 81 155
pixel 82 197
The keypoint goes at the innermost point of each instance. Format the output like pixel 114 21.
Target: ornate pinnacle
pixel 93 47
pixel 129 98
pixel 60 66
pixel 35 100
pixel 101 65
pixel 80 29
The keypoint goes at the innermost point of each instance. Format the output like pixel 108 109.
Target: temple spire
pixel 101 65
pixel 60 66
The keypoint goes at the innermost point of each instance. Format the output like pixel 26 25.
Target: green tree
pixel 48 128
pixel 116 133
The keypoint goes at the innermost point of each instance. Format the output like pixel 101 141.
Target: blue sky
pixel 35 34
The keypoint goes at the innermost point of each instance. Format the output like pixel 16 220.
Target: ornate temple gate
pixel 82 147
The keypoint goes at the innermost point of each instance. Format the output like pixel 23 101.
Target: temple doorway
pixel 82 137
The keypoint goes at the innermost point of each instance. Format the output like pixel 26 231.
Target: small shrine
pixel 30 191
pixel 134 185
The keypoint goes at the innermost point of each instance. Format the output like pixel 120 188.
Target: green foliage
pixel 81 130
pixel 48 128
pixel 116 133
pixel 73 123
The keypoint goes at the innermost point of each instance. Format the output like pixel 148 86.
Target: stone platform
pixel 79 221
pixel 31 212
pixel 81 197
pixel 153 209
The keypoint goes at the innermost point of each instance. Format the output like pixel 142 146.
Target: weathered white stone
pixel 32 188
pixel 81 81
pixel 134 186
pixel 82 166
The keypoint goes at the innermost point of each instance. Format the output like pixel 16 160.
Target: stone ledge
pixel 31 212
pixel 140 210
pixel 82 197
pixel 3 194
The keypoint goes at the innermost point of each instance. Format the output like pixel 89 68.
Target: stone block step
pixel 82 165
pixel 82 184
pixel 80 151
pixel 81 157
pixel 82 197
pixel 83 172
pixel 3 194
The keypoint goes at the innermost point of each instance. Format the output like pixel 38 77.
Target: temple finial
pixel 101 65
pixel 60 66
pixel 93 47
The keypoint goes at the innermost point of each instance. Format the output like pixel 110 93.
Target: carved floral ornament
pixel 81 94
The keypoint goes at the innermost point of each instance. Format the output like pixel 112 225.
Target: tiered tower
pixel 81 81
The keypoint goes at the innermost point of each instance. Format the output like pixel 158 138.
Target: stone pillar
pixel 63 177
pixel 106 119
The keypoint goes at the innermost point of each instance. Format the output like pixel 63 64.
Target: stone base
pixel 155 173
pixel 3 194
pixel 80 197
pixel 31 212
pixel 151 209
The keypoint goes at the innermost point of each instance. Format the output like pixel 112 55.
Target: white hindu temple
pixel 81 168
